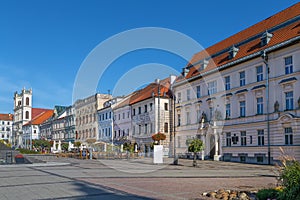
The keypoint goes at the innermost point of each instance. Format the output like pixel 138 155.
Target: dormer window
pixel 233 51
pixel 265 39
pixel 203 64
pixel 185 71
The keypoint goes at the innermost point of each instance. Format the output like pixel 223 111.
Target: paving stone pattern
pixel 94 179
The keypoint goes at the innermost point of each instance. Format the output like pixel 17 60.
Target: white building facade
pixel 122 121
pixel 22 114
pixel 6 127
pixel 150 110
pixel 242 97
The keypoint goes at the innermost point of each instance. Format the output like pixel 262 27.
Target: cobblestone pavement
pixel 128 179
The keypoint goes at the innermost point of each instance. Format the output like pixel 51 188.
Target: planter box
pixel 20 160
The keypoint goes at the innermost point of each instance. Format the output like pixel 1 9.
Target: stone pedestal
pixel 217 157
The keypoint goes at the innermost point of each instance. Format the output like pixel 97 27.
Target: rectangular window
pixel 227 83
pixel 151 128
pixel 289 100
pixel 146 128
pixel 228 111
pixel 140 110
pixel 179 97
pixel 260 137
pixel 140 129
pixel 166 128
pixel 228 139
pixel 146 108
pixel 198 89
pixel 250 139
pixel 212 87
pixel 288 133
pixel 288 61
pixel 151 106
pixel 242 78
pixel 166 106
pixel 259 73
pixel 188 118
pixel 260 106
pixel 119 116
pixel 242 108
pixel 178 120
pixel 134 112
pixel 243 138
pixel 260 159
pixel 188 94
pixel 133 130
pixel 235 139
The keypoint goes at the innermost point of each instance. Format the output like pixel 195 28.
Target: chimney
pixel 172 79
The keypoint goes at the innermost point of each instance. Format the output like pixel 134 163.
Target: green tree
pixel 65 146
pixel 195 146
pixel 77 144
pixel 128 147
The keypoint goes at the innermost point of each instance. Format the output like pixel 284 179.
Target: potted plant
pixel 158 137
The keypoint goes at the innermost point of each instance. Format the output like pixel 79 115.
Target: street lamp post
pixel 175 161
pixel 30 136
pixel 158 112
pixel 265 58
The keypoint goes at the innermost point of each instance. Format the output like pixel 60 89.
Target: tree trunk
pixel 195 160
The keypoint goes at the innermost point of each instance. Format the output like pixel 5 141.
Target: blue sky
pixel 43 43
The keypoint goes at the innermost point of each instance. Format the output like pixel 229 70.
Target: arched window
pixel 27 115
pixel 27 101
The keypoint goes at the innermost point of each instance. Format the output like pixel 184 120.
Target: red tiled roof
pixel 125 101
pixel 280 35
pixel 150 90
pixel 37 111
pixel 39 115
pixel 6 117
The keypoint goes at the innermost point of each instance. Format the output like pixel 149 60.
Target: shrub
pixel 265 194
pixel 27 151
pixel 290 177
